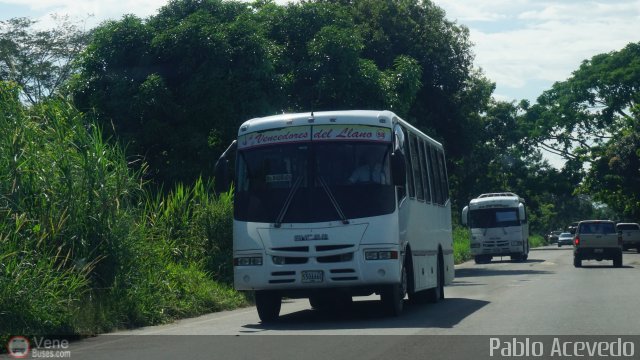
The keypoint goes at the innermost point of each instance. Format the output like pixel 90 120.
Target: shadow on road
pixel 465 283
pixel 553 248
pixel 478 272
pixel 370 314
pixel 507 260
pixel 600 266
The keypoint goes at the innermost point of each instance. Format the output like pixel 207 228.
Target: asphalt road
pixel 544 296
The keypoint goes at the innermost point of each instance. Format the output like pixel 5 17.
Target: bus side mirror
pixel 398 169
pixel 222 182
pixel 465 215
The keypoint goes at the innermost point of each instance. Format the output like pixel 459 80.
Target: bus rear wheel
pixel 436 294
pixel 268 304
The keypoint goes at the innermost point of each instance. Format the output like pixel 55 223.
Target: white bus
pixel 331 205
pixel 499 227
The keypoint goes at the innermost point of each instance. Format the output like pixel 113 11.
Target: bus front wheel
pixel 268 304
pixel 393 296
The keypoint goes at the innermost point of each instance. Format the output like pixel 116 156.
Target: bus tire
pixel 436 294
pixel 268 304
pixel 441 273
pixel 393 295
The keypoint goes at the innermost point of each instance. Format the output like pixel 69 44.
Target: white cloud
pixel 99 9
pixel 474 10
pixel 525 43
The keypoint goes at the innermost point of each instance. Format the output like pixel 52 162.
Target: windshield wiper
pixel 287 202
pixel 334 202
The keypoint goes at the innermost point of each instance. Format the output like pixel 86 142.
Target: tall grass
pixel 461 250
pixel 84 247
pixel 536 240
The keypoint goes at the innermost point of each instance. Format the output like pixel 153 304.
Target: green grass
pixel 461 251
pixel 536 241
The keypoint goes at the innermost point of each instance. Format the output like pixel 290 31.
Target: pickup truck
pixel 630 235
pixel 597 240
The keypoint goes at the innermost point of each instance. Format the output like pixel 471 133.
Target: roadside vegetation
pixel 85 246
pixel 108 139
pixel 461 250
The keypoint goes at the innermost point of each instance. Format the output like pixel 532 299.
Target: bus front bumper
pixel 354 273
pixel 510 248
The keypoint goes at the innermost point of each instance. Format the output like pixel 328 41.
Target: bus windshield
pixel 493 218
pixel 356 174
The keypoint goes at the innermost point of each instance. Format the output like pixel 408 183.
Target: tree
pixel 585 111
pixel 39 61
pixel 175 88
pixel 614 177
pixel 594 117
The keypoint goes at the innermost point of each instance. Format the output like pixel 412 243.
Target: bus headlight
pixel 380 255
pixel 248 261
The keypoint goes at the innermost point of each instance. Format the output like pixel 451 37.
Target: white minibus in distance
pixel 498 226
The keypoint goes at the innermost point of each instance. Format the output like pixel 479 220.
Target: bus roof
pixel 380 118
pixel 368 117
pixel 496 199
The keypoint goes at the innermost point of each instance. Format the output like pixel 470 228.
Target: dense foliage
pixel 594 117
pixel 84 247
pixel 177 86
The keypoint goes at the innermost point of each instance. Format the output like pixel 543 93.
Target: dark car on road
pixel 553 237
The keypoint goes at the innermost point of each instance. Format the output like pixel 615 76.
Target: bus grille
pixel 335 258
pixel 495 243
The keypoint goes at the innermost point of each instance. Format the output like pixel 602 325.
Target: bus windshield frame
pixel 497 217
pixel 294 181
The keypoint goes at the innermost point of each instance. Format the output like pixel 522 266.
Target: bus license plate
pixel 597 251
pixel 312 276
